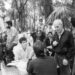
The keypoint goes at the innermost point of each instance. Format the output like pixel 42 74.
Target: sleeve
pixel 30 53
pixel 30 67
pixel 72 41
pixel 14 34
pixel 71 51
pixel 16 54
pixel 14 31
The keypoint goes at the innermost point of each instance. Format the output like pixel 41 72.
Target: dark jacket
pixel 40 37
pixel 65 45
pixel 48 42
pixel 42 66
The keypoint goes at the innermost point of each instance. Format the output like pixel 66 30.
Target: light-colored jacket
pixel 21 58
pixel 21 54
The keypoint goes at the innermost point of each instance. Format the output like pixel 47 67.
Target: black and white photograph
pixel 37 37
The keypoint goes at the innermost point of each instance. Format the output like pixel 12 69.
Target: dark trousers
pixel 9 54
pixel 64 70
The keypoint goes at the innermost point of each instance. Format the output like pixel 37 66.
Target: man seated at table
pixel 22 53
pixel 42 65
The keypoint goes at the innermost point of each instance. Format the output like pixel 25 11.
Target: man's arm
pixel 71 51
pixel 16 54
pixel 14 35
pixel 30 67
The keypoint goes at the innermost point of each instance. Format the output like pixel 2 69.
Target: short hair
pixel 50 32
pixel 39 48
pixel 9 23
pixel 22 39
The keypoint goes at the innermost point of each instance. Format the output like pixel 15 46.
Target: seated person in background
pixel 42 65
pixel 38 35
pixel 22 53
pixel 49 44
pixel 12 39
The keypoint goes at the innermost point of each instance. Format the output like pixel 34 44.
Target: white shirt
pixel 10 34
pixel 21 54
pixel 21 58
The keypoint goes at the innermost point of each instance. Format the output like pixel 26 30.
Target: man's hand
pixel 55 43
pixel 65 62
pixel 49 47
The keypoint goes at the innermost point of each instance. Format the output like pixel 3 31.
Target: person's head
pixel 39 48
pixel 23 42
pixel 50 34
pixel 58 25
pixel 9 24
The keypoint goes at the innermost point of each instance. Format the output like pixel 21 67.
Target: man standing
pixel 12 38
pixel 63 47
pixel 12 35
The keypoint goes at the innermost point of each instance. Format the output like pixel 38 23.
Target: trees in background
pixel 19 12
pixel 48 8
pixel 28 12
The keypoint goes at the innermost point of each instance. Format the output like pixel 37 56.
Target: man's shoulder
pixel 68 33
pixel 33 61
pixel 43 60
pixel 16 48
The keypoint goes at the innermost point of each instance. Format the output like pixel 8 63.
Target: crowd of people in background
pixel 39 53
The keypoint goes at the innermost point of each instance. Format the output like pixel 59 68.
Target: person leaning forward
pixel 42 65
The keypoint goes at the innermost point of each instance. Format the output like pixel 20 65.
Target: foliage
pixel 47 4
pixel 19 9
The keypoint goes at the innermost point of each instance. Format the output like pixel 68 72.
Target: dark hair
pixel 9 23
pixel 39 48
pixel 50 33
pixel 22 39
